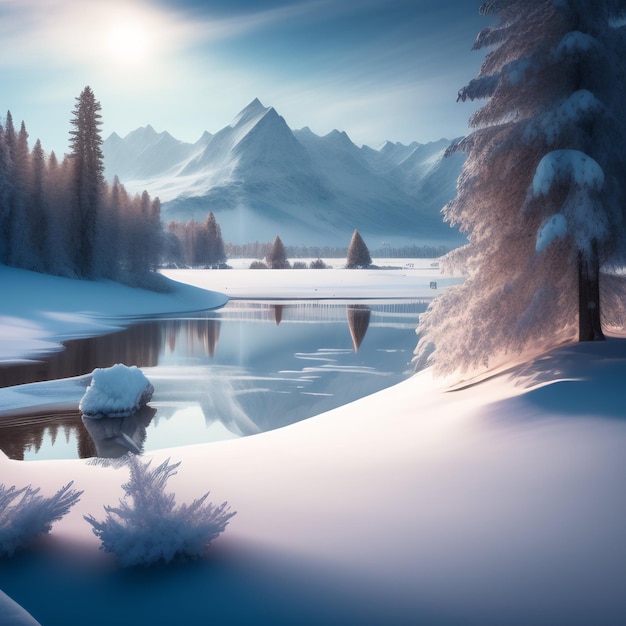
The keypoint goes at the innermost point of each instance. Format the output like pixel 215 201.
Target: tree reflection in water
pixel 358 321
pixel 26 433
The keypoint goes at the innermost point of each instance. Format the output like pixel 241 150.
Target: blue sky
pixel 378 69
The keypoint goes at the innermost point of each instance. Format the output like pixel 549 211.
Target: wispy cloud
pixel 75 32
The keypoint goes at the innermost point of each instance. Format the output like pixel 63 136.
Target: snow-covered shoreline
pixel 38 311
pixel 501 503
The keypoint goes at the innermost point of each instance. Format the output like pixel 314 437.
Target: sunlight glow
pixel 129 42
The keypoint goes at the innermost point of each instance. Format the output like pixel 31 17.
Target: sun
pixel 128 43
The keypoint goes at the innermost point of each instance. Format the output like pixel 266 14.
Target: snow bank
pixel 117 391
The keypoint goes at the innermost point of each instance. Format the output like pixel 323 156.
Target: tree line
pixel 195 244
pixel 61 216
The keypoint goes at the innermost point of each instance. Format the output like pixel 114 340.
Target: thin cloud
pixel 74 32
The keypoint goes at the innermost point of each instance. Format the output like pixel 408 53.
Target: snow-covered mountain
pixel 261 178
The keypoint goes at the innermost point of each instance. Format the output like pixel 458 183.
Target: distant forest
pixel 196 244
pixel 257 250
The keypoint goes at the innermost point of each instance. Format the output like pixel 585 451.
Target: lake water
pixel 247 368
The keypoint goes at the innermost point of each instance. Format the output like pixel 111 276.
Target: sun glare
pixel 128 43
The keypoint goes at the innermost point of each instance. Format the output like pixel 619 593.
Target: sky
pixel 376 69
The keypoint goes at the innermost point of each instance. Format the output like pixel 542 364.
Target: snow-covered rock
pixel 116 391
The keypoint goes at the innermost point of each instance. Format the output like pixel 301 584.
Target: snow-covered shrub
pixel 147 527
pixel 24 514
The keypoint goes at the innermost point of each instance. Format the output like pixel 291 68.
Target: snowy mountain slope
pixel 144 153
pixel 261 178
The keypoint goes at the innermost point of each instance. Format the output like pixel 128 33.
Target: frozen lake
pixel 247 368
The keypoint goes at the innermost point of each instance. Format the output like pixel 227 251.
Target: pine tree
pixel 88 166
pixel 60 248
pixel 6 194
pixel 277 258
pixel 21 251
pixel 215 243
pixel 358 256
pixel 11 189
pixel 38 226
pixel 540 196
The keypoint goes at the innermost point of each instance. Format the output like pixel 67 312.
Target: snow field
pixel 498 503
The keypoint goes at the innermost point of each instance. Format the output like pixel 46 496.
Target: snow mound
pixel 116 391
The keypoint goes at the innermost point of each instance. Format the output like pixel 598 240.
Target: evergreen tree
pixel 276 258
pixel 88 166
pixel 541 193
pixel 38 226
pixel 60 240
pixel 358 256
pixel 21 251
pixel 6 195
pixel 154 236
pixel 215 243
pixel 11 190
pixel 111 228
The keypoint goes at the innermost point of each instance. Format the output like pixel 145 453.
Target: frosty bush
pixel 24 514
pixel 147 528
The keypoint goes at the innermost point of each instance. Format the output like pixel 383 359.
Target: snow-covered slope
pixel 261 178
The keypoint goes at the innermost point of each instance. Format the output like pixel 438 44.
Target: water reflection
pixel 140 344
pixel 116 436
pixel 247 368
pixel 278 312
pixel 24 435
pixel 358 321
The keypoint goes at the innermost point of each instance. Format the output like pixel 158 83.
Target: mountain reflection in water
pixel 249 367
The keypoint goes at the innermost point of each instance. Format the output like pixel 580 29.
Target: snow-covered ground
pixel 500 503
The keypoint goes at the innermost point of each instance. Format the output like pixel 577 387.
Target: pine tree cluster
pixel 195 244
pixel 61 217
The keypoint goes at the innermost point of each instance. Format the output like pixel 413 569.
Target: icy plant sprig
pixel 147 527
pixel 24 514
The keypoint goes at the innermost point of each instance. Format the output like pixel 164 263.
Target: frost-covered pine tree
pixel 541 197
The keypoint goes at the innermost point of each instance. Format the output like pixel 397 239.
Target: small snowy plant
pixel 24 514
pixel 147 528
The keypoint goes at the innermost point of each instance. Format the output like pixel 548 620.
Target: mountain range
pixel 261 178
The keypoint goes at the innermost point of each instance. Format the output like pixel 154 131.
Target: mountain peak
pixel 253 111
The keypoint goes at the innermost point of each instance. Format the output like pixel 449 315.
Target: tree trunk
pixel 589 324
